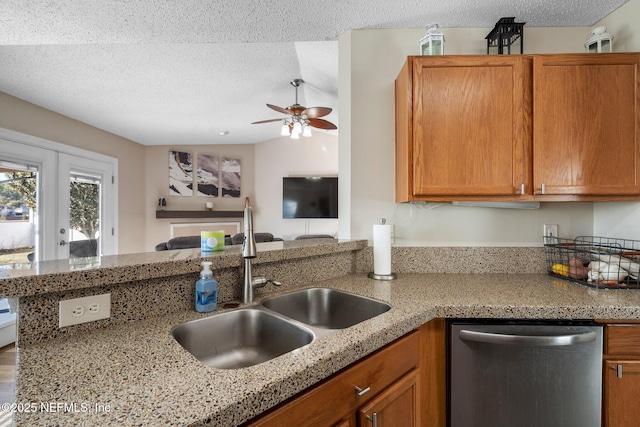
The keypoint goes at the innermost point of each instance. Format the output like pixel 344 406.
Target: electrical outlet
pixel 551 230
pixel 82 310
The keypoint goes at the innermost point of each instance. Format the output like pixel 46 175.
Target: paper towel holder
pixel 375 276
pixel 390 276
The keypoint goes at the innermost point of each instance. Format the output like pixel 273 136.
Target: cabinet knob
pixel 362 392
pixel 542 189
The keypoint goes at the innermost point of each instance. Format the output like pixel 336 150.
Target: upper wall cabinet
pixel 518 128
pixel 462 126
pixel 585 127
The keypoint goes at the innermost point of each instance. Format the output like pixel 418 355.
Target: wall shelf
pixel 199 214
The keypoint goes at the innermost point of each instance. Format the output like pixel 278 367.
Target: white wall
pixel 157 179
pixel 623 25
pixel 621 220
pixel 369 63
pixel 280 157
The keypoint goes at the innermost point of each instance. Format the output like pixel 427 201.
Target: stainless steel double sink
pixel 278 325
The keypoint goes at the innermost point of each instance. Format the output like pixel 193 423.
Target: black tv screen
pixel 310 197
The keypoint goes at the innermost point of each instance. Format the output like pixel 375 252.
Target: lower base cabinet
pixel 398 405
pixel 621 392
pixel 382 390
pixel 621 374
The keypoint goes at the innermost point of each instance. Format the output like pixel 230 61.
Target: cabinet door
pixel 621 391
pixel 585 125
pixel 336 400
pixel 471 125
pixel 398 405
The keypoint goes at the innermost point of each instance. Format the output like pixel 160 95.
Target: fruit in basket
pixel 577 269
pixel 560 269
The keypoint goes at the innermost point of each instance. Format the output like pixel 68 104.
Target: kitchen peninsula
pixel 129 370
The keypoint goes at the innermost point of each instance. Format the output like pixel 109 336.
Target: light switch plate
pixel 85 309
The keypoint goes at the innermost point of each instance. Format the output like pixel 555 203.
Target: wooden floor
pixel 7 381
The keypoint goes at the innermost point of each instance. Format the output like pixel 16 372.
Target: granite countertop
pixel 37 278
pixel 137 374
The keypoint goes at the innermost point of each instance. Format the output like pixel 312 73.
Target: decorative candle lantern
pixel 599 41
pixel 504 34
pixel 433 42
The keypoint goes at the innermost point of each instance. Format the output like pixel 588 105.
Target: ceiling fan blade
pixel 322 124
pixel 279 109
pixel 315 112
pixel 267 121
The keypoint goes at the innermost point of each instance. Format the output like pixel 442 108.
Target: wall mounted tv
pixel 310 197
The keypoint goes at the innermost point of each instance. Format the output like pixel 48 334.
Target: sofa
pixel 185 242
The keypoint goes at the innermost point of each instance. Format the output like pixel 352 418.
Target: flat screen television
pixel 310 197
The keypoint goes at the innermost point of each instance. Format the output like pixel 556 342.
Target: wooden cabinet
pixel 621 375
pixel 386 383
pixel 585 127
pixel 518 128
pixel 462 126
pixel 397 406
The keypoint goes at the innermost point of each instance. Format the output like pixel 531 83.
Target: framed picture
pixel 208 175
pixel 180 174
pixel 230 177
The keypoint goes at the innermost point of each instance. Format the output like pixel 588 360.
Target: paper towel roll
pixel 382 249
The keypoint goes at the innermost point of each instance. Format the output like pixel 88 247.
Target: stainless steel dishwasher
pixel 524 373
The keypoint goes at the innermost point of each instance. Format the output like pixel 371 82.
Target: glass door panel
pixel 85 221
pixel 18 208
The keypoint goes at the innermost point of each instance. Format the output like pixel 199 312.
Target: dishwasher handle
pixel 530 340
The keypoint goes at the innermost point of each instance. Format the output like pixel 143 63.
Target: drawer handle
pixel 362 392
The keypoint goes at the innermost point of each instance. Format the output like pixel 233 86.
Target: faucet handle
pixel 259 282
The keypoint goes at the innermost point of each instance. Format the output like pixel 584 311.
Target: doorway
pixel 65 198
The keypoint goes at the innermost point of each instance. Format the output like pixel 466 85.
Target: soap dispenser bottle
pixel 206 290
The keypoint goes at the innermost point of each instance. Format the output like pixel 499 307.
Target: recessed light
pixel 223 133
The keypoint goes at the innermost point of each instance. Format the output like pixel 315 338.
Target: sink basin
pixel 240 338
pixel 325 307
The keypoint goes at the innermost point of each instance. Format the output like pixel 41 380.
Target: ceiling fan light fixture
pixel 301 119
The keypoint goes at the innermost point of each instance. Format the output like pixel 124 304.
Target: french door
pixel 73 210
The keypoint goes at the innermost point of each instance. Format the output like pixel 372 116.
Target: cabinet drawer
pixel 329 402
pixel 622 338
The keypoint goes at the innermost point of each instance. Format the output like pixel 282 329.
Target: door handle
pixel 533 340
pixel 63 243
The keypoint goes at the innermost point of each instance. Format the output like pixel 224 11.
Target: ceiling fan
pixel 301 118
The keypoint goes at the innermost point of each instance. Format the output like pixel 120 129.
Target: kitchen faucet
pixel 248 253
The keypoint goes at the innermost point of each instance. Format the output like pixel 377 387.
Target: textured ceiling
pixel 170 72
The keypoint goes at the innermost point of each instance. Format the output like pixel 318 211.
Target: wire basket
pixel 599 262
